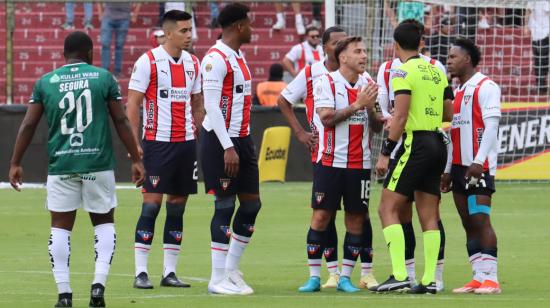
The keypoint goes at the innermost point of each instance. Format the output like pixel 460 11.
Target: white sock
pixel 281 17
pixel 298 19
pixel 347 267
pixel 314 267
pixel 366 268
pixel 171 254
pixel 59 248
pixel 476 262
pixel 219 253
pixel 141 253
pixel 105 243
pixel 439 270
pixel 236 249
pixel 411 272
pixel 489 267
pixel 332 267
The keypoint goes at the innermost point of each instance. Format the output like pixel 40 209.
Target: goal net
pixel 513 38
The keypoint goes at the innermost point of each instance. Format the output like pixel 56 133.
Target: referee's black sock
pixel 410 246
pixel 331 247
pixel 366 248
pixel 441 255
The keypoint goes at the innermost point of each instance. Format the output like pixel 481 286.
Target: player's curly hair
pixel 232 13
pixel 328 31
pixel 470 47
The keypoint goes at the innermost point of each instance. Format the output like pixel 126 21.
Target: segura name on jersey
pixel 73 85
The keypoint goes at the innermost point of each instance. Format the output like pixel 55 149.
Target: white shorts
pixel 94 192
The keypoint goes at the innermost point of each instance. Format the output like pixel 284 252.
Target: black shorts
pixel 420 161
pixel 331 184
pixel 485 185
pixel 213 167
pixel 170 167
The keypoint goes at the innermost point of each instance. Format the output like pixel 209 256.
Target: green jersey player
pixel 77 100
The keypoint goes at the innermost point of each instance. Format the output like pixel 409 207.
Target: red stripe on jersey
pixel 329 134
pixel 316 55
pixel 177 73
pixel 247 100
pixel 227 90
pixel 302 60
pixel 387 70
pixel 355 145
pixel 455 132
pixel 310 110
pixel 477 123
pixel 151 122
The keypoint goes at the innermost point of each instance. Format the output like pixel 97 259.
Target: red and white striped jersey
pixel 304 54
pixel 301 89
pixel 225 70
pixel 347 145
pixel 476 100
pixel 168 86
pixel 386 97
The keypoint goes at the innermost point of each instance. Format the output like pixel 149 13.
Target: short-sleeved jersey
pixel 426 85
pixel 304 54
pixel 301 89
pixel 346 145
pixel 226 70
pixel 168 86
pixel 475 100
pixel 386 97
pixel 75 99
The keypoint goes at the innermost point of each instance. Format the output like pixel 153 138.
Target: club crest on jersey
pixel 226 230
pixel 224 183
pixel 176 235
pixel 313 248
pixel 319 196
pixel 354 250
pixel 399 74
pixel 145 235
pixel 467 99
pixel 191 74
pixel 154 179
pixel 328 252
pixel 208 67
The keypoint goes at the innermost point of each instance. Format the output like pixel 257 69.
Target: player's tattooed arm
pixel 197 105
pixel 330 117
pixel 24 138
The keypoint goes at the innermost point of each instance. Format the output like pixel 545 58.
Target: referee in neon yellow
pixel 422 98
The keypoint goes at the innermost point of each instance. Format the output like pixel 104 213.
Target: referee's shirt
pixel 426 85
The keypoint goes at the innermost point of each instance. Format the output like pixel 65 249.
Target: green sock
pixel 432 240
pixel 396 243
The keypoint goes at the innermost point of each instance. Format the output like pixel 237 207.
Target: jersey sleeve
pixel 197 85
pixel 322 93
pixel 296 90
pixel 294 53
pixel 141 75
pixel 36 96
pixel 113 92
pixel 213 70
pixel 383 91
pixel 440 66
pixel 400 82
pixel 489 99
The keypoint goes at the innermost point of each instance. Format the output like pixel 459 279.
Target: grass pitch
pixel 275 262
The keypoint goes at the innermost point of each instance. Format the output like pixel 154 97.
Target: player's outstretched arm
pixel 307 138
pixel 125 134
pixel 24 138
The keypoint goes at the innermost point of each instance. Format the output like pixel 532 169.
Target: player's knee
pixel 175 209
pixel 222 203
pixel 150 210
pixel 478 207
pixel 245 219
pixel 321 219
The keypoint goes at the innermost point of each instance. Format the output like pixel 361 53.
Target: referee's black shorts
pixel 420 161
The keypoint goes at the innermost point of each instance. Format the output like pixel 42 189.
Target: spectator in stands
pixel 69 14
pixel 281 23
pixel 404 10
pixel 316 11
pixel 440 41
pixel 115 18
pixel 268 91
pixel 305 53
pixel 538 16
pixel 158 38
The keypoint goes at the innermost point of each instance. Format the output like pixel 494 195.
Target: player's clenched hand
pixel 382 165
pixel 138 173
pixel 308 139
pixel 231 160
pixel 445 184
pixel 16 176
pixel 367 96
